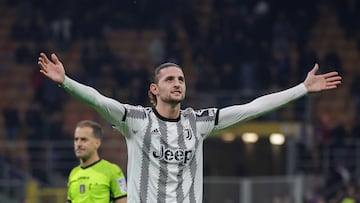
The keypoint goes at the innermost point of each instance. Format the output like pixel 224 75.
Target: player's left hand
pixel 326 81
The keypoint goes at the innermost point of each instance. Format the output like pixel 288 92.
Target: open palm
pixel 53 69
pixel 327 81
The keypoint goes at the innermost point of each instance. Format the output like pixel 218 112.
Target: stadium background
pixel 232 51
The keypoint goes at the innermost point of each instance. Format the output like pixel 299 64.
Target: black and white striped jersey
pixel 165 156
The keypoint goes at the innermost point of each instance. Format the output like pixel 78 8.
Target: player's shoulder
pixel 137 111
pixel 137 107
pixel 207 112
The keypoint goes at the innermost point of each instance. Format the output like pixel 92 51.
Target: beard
pixel 174 99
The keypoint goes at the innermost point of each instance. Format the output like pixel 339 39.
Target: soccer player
pixel 165 142
pixel 95 180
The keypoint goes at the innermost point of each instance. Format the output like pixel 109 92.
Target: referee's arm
pixel 122 199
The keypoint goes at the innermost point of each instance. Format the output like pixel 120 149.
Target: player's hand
pixel 53 69
pixel 326 81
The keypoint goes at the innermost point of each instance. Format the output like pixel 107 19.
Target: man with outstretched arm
pixel 165 142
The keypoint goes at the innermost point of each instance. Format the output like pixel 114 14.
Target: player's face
pixel 85 143
pixel 171 86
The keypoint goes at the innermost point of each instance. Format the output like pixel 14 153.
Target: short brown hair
pixel 97 129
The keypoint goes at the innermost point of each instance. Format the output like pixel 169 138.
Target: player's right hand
pixel 53 69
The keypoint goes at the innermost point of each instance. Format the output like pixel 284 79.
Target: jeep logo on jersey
pixel 173 156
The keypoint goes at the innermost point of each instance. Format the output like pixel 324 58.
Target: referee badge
pixel 122 185
pixel 82 188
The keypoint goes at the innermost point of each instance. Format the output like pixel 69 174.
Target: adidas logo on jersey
pixel 156 132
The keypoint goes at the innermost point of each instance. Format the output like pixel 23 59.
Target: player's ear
pixel 153 88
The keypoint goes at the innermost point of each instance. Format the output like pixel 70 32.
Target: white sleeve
pixel 233 115
pixel 112 110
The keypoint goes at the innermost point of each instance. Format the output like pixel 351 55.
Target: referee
pixel 95 180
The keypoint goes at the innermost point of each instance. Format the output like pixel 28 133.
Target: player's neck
pixel 168 111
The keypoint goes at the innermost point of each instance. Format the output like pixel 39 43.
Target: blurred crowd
pixel 224 45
